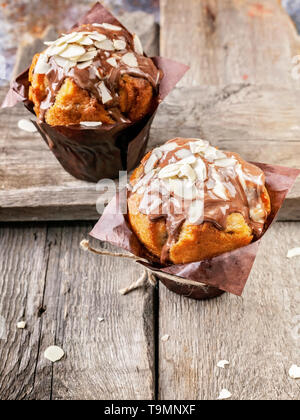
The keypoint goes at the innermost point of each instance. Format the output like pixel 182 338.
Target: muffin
pixel 189 201
pixel 95 74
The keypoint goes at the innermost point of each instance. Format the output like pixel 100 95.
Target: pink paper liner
pixel 227 272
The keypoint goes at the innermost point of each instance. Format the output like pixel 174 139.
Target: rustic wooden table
pixel 240 94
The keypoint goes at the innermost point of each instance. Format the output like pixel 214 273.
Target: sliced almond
pixel 183 153
pixel 21 325
pixel 154 205
pixel 200 169
pixel 190 160
pixel 211 154
pixel 185 190
pixel 73 51
pixel 198 146
pixel 119 44
pixel 62 62
pixel 220 191
pixel 168 147
pixel 106 45
pixel 84 65
pixel 91 123
pixel 105 93
pixel 76 38
pixel 294 372
pixel 294 252
pixel 96 36
pixel 165 337
pixel 222 363
pixel 257 214
pixel 187 171
pixel 240 175
pixel 196 212
pixel 56 49
pixel 64 39
pixel 224 163
pixel 54 353
pixel 149 165
pixel 86 40
pixel 111 27
pixel 224 395
pixel 169 171
pixel 130 60
pixel 42 66
pixel 27 125
pixel 112 61
pixel 49 43
pixel 138 48
pixel 90 55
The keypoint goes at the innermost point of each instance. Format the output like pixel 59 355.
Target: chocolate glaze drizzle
pixel 241 184
pixel 100 70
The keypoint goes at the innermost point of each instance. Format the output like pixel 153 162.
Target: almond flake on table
pixel 21 325
pixel 222 364
pixel 224 395
pixel 100 319
pixel 27 125
pixel 165 337
pixel 294 252
pixel 294 372
pixel 54 353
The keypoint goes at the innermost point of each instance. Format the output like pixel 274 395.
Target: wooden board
pixel 257 333
pixel 239 94
pixel 61 291
pixel 225 40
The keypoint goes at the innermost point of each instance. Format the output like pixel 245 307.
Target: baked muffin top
pixel 96 72
pixel 187 181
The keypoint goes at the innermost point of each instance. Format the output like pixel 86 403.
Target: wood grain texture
pixel 239 94
pixel 230 41
pixel 258 333
pixel 61 291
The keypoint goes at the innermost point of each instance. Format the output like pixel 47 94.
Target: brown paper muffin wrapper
pixel 100 152
pixel 227 272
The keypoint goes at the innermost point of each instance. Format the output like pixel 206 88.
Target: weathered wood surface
pixel 239 94
pixel 61 291
pixel 258 333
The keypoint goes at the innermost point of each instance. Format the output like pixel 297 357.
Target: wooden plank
pixel 258 333
pixel 230 41
pixel 23 261
pixel 214 101
pixel 104 360
pixel 244 120
pixel 240 95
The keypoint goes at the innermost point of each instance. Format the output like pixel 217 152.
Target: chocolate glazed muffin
pixel 189 201
pixel 96 73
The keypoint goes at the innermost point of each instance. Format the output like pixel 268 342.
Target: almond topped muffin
pixel 189 201
pixel 96 73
